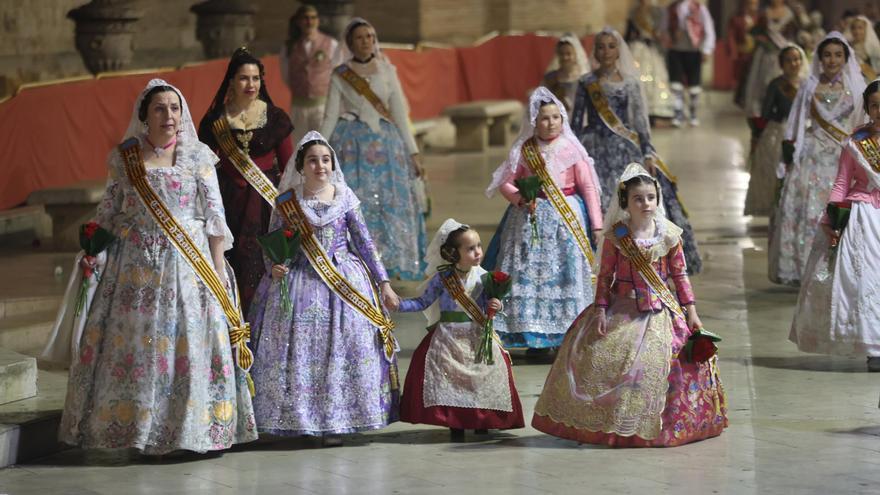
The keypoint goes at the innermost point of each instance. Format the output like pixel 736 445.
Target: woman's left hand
pixel 693 319
pixel 389 297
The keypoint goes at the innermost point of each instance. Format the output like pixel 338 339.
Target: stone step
pixel 26 333
pixel 29 427
pixel 18 376
pixel 20 306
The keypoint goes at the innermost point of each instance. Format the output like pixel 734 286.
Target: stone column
pixel 224 25
pixel 104 33
pixel 335 16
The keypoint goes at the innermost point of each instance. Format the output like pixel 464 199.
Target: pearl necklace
pixel 317 191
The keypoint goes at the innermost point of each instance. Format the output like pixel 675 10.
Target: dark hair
pixel 829 41
pixel 449 249
pixel 544 103
pixel 299 161
pixel 781 55
pixel 293 31
pixel 148 98
pixel 872 88
pixel 561 43
pixel 623 192
pixel 241 57
pixel 350 33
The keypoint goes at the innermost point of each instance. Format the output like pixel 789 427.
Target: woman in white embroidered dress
pixel 378 153
pixel 834 90
pixel 154 369
pixel 838 308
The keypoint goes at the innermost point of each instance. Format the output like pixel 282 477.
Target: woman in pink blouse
pixel 838 311
pixel 618 379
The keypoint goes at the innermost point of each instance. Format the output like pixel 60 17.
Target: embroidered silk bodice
pixel 619 278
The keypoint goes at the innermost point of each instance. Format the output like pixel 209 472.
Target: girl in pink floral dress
pixel 618 379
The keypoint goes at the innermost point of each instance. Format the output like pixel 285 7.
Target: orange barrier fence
pixel 59 134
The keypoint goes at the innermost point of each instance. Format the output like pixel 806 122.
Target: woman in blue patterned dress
pixel 378 153
pixel 613 147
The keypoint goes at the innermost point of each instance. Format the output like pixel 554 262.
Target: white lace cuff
pixel 216 227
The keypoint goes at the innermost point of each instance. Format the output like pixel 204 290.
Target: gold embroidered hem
pixel 615 383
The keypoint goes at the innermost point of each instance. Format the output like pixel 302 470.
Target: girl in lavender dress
pixel 322 370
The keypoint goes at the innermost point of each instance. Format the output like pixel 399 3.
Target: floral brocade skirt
pixel 628 388
pixel 155 370
pixel 320 369
pixel 378 169
pixel 551 277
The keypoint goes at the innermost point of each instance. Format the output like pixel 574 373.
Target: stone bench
pixel 69 206
pixel 483 123
pixel 421 128
pixel 22 222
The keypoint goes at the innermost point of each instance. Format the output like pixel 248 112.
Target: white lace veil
pixel 293 179
pixel 433 259
pixel 345 50
pixel 580 55
pixel 872 43
pixel 800 109
pixel 186 133
pixel 508 169
pixel 626 63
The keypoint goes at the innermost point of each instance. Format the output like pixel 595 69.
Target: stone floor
pixel 799 423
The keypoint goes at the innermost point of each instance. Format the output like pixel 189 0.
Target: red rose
pixel 288 233
pixel 89 229
pixel 500 277
pixel 703 350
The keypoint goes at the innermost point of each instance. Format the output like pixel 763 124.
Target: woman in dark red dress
pixel 261 132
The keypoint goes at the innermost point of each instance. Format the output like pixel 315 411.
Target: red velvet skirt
pixel 412 408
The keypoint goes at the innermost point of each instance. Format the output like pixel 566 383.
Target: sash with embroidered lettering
pixel 242 162
pixel 535 161
pixel 870 151
pixel 456 290
pixel 371 309
pixel 613 122
pixel 832 130
pixel 643 264
pixel 239 330
pixel 362 87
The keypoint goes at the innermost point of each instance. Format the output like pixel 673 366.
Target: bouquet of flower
pixel 92 239
pixel 700 347
pixel 281 246
pixel 496 285
pixel 838 216
pixel 529 187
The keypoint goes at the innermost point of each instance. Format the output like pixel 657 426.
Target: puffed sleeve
pixel 639 116
pixel 400 111
pixel 509 190
pixel 583 178
pixel 607 267
pixel 363 243
pixel 210 199
pixel 840 190
pixel 678 274
pixel 109 214
pixel 332 107
pixel 432 291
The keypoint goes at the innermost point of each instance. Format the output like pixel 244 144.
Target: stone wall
pixel 37 40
